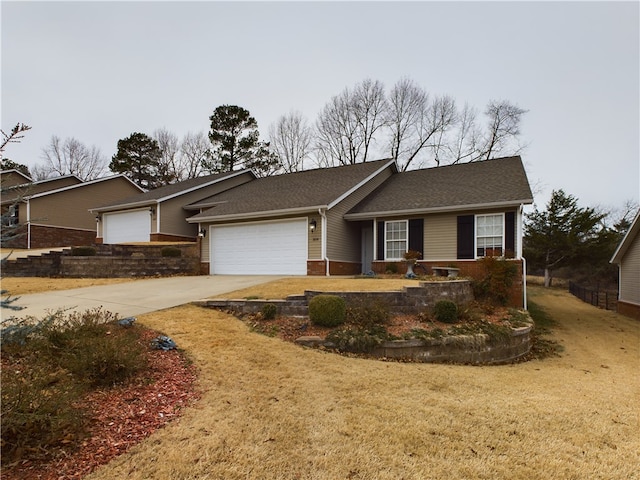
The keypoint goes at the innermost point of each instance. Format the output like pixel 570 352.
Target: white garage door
pixel 274 248
pixel 126 227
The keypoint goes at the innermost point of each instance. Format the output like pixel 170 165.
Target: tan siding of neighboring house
pixel 11 179
pixel 343 238
pixel 173 218
pixel 70 208
pixel 630 273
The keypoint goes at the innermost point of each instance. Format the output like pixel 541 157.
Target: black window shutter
pixel 380 240
pixel 510 234
pixel 416 236
pixel 465 237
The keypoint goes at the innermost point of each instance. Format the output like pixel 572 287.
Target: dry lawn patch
pixel 27 285
pixel 275 410
pixel 297 285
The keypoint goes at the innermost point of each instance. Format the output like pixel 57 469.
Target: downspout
pixel 28 225
pixel 158 219
pixel 323 216
pixel 524 260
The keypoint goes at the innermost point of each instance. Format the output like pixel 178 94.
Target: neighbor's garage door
pixel 126 227
pixel 274 248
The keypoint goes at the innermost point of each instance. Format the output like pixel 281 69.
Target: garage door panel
pixel 278 248
pixel 126 227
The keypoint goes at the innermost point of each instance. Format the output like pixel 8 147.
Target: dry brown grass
pixel 27 285
pixel 272 410
pixel 297 285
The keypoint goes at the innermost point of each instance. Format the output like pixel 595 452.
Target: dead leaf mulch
pixel 121 417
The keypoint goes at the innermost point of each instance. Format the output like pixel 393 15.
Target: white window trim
pixel 475 233
pixel 406 245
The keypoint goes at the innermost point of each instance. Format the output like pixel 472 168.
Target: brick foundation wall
pixel 316 267
pixel 43 237
pixel 344 268
pixel 165 237
pixel 629 309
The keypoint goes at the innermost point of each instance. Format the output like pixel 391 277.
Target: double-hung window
pixel 489 235
pixel 396 239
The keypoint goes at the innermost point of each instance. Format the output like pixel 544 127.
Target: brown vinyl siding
pixel 630 273
pixel 343 238
pixel 173 218
pixel 70 208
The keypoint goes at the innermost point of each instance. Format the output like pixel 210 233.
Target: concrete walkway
pixel 135 298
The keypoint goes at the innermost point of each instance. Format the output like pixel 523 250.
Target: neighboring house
pixel 627 257
pixel 55 212
pixel 360 218
pixel 12 178
pixel 159 214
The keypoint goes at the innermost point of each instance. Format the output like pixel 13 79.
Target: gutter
pixel 444 209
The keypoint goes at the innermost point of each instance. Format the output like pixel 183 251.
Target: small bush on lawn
pixel 367 313
pixel 446 311
pixel 358 340
pixel 391 268
pixel 269 311
pixel 49 364
pixel 327 310
pixel 171 252
pixel 83 252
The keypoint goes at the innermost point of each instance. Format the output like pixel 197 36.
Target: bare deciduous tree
pixel 503 128
pixel 194 150
pixel 348 124
pixel 290 139
pixel 70 157
pixel 169 164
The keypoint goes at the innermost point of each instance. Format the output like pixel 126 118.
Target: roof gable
pixel 494 182
pixel 89 183
pixel 305 190
pixel 627 241
pixel 167 192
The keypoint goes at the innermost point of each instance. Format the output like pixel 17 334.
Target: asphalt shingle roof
pixel 167 191
pixel 309 188
pixel 496 181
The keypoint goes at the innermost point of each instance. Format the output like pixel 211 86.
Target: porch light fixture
pixel 152 211
pixel 98 218
pixel 312 225
pixel 202 233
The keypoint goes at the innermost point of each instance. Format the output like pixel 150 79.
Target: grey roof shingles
pixel 299 190
pixel 498 182
pixel 152 196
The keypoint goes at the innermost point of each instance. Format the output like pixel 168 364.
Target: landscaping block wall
pixel 110 261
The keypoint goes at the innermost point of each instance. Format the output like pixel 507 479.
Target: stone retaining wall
pixel 465 349
pixel 110 261
pixel 409 300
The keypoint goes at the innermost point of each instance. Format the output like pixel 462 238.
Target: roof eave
pixel 126 206
pixel 444 209
pixel 256 215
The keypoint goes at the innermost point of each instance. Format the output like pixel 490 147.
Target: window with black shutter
pixel 466 237
pixel 416 236
pixel 510 234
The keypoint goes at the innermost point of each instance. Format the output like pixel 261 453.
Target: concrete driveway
pixel 135 298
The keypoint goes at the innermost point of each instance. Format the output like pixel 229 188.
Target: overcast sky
pixel 101 71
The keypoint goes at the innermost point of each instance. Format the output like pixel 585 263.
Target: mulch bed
pixel 291 328
pixel 121 417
